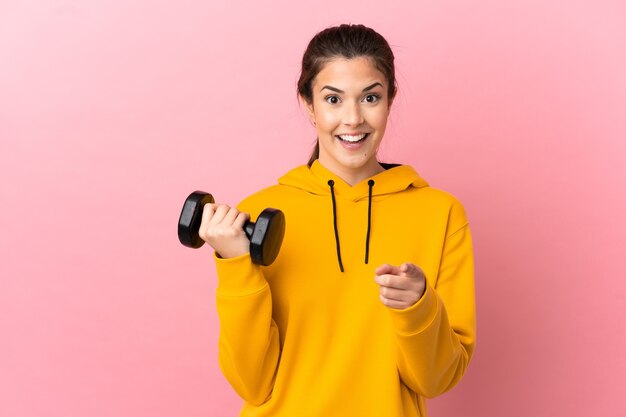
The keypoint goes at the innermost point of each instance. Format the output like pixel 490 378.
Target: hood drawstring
pixel 370 183
pixel 369 220
pixel 331 183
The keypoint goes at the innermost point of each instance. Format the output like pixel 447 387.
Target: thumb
pixel 408 269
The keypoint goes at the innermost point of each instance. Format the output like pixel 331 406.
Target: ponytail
pixel 315 154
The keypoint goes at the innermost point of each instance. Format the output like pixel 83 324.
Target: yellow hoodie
pixel 301 338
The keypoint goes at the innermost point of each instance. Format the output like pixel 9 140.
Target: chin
pixel 357 163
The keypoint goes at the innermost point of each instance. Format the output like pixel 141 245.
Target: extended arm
pixel 436 336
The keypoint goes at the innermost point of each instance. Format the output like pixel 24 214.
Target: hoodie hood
pixel 320 181
pixel 315 180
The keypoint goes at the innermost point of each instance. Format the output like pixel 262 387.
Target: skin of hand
pixel 400 286
pixel 222 228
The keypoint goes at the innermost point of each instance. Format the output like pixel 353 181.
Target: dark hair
pixel 344 41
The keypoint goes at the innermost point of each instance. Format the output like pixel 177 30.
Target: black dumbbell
pixel 266 235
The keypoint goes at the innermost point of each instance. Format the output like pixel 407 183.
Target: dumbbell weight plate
pixel 266 236
pixel 191 218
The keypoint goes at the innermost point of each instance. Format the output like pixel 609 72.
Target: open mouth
pixel 353 138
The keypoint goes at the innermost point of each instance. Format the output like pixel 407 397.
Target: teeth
pixel 350 138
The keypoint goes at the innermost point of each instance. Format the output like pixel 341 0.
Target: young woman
pixel 369 308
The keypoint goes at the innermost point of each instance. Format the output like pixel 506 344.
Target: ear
pixel 308 106
pixel 393 97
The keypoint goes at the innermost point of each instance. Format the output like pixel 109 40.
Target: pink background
pixel 111 112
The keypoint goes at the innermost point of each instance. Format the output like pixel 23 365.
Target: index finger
pixel 207 211
pixel 387 269
pixel 393 281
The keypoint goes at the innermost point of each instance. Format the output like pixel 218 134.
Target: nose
pixel 353 115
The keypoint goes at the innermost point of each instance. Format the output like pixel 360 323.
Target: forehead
pixel 346 73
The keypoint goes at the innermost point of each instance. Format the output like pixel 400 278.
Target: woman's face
pixel 349 109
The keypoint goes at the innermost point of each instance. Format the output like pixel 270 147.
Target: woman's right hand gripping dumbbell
pixel 222 227
pixel 229 231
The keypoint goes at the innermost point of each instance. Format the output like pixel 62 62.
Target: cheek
pixel 326 121
pixel 379 123
pixel 379 120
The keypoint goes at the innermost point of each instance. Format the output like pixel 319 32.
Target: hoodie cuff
pixel 238 276
pixel 419 316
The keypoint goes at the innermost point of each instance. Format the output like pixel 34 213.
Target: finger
pixel 207 213
pixel 383 269
pixel 400 305
pixel 382 280
pixel 387 269
pixel 411 270
pixel 220 212
pixel 395 294
pixel 393 281
pixel 230 217
pixel 241 220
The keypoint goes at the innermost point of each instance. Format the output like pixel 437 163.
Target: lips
pixel 353 138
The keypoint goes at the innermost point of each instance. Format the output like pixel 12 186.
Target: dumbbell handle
pixel 248 229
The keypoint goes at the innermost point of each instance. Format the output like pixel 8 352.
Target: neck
pixel 353 176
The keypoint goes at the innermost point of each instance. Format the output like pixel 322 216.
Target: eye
pixel 372 98
pixel 332 99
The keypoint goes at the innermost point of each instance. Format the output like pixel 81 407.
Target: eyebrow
pixel 336 90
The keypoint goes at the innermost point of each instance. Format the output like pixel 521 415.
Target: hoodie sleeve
pixel 436 336
pixel 249 346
